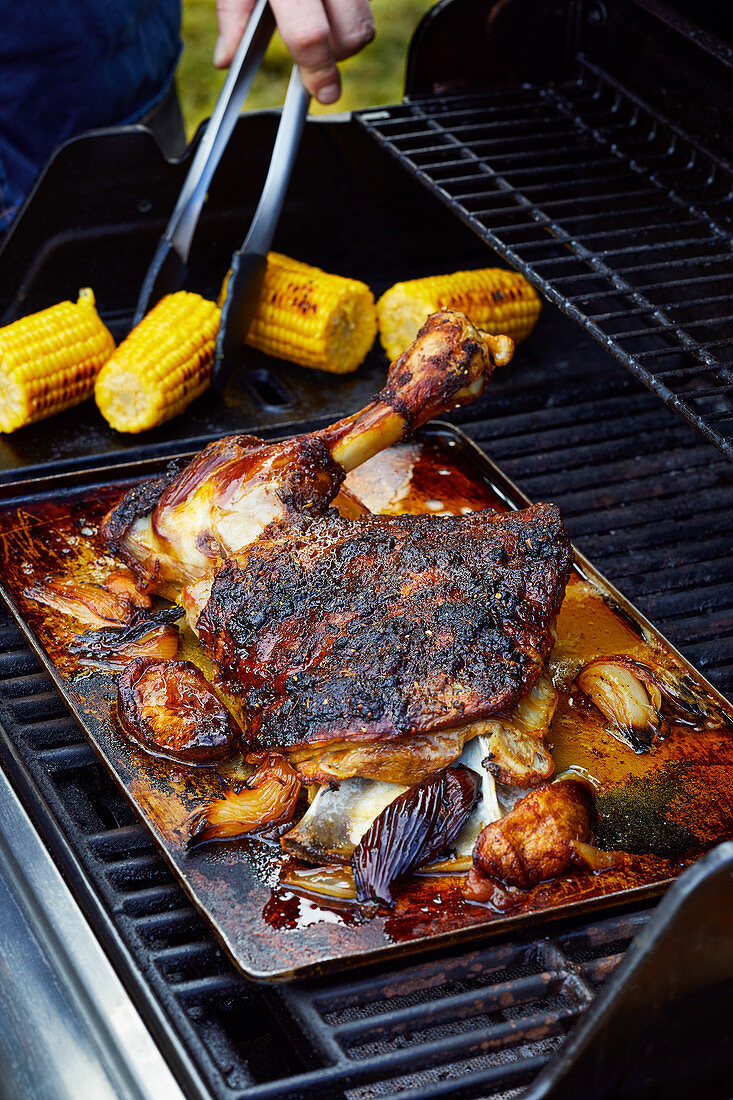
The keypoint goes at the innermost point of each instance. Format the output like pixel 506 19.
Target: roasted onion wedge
pixel 635 696
pixel 115 647
pixel 337 819
pixel 123 583
pixel 414 829
pixel 267 798
pixel 517 752
pixel 93 604
pixel 171 710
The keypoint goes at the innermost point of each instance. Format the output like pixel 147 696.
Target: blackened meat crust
pixel 137 502
pixel 377 628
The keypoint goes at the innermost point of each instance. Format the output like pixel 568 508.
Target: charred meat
pixel 172 531
pixel 548 831
pixel 342 633
pixel 170 709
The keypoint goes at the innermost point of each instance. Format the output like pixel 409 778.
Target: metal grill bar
pixel 588 193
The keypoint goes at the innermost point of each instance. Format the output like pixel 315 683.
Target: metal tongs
pixel 169 268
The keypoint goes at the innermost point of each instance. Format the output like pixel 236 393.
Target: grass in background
pixel 376 75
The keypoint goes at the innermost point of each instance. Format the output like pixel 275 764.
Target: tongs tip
pixel 166 274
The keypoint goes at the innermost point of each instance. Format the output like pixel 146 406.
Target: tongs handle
pixel 248 265
pixel 179 232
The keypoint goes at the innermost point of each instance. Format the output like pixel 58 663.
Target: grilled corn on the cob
pixel 500 302
pixel 312 318
pixel 162 366
pixel 49 360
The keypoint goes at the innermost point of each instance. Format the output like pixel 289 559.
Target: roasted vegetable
pixel 267 798
pixel 171 710
pixel 412 830
pixel 486 809
pixel 548 830
pixel 162 366
pixel 312 318
pixel 635 696
pixel 88 603
pixel 337 819
pixel 49 361
pixel 115 647
pixel 330 882
pixel 123 583
pixel 497 301
pixel 517 754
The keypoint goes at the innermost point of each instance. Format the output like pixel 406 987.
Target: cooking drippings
pixel 423 479
pixel 665 805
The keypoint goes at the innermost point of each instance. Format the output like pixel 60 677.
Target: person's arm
pixel 317 34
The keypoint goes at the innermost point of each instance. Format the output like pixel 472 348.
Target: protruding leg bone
pixel 237 486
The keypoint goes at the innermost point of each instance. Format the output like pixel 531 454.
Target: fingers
pixel 317 33
pixel 231 19
pixel 352 26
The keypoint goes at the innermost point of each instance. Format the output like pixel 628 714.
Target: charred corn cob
pixel 162 366
pixel 500 302
pixel 312 318
pixel 49 360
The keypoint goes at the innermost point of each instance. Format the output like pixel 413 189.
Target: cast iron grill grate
pixel 614 215
pixel 650 504
pixel 490 1017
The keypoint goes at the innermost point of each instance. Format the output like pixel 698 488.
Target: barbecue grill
pixel 588 144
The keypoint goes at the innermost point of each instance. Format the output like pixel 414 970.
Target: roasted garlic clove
pixel 267 798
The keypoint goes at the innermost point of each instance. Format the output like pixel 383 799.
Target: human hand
pixel 317 34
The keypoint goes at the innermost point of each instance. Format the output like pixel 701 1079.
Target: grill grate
pixel 650 503
pixel 615 215
pixel 490 1017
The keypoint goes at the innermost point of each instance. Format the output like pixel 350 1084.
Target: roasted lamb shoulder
pixel 385 640
pixel 172 531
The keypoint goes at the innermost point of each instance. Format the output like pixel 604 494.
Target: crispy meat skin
pixel 386 626
pixel 136 503
pixel 175 530
pixel 177 527
pixel 534 841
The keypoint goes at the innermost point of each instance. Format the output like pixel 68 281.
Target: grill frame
pixel 631 495
pixel 544 423
pixel 475 147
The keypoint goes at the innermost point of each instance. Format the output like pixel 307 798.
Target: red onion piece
pixel 414 829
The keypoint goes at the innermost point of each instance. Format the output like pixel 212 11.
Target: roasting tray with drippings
pixel 661 807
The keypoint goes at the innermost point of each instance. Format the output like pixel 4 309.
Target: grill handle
pixel 665 1015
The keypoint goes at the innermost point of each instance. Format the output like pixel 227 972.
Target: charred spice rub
pixel 374 629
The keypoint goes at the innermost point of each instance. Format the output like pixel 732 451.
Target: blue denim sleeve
pixel 66 68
